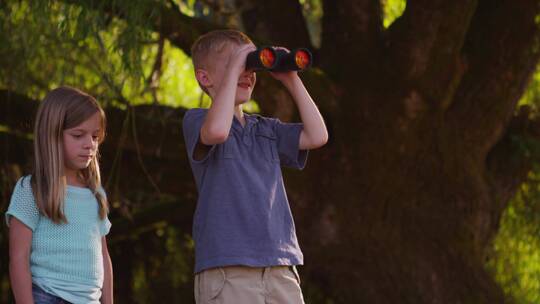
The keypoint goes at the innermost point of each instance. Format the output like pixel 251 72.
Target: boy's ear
pixel 203 78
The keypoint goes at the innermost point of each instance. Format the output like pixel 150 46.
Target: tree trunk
pixel 402 206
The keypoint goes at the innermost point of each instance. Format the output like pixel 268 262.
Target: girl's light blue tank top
pixel 66 259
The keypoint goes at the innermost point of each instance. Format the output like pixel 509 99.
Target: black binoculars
pixel 278 60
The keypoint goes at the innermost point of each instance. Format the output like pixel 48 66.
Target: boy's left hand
pixel 284 76
pixel 287 76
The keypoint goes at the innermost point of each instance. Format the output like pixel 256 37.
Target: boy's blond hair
pixel 213 43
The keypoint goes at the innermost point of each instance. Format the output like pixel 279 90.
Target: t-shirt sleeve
pixel 23 205
pixel 191 126
pixel 288 144
pixel 104 224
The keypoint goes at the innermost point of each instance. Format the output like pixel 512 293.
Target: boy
pixel 245 241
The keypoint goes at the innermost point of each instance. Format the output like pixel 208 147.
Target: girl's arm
pixel 107 290
pixel 20 242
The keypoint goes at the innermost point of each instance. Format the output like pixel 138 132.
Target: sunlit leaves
pixel 313 12
pixel 44 45
pixel 531 97
pixel 516 249
pixel 392 10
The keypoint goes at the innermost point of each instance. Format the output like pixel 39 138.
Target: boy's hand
pixel 237 59
pixel 284 77
pixel 314 133
pixel 223 85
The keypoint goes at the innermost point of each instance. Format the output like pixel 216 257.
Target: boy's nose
pixel 248 74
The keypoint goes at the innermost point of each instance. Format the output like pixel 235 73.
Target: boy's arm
pixel 314 134
pixel 217 124
pixel 107 290
pixel 20 242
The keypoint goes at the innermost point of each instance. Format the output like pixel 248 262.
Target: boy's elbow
pixel 315 143
pixel 218 137
pixel 321 142
pixel 325 138
pixel 213 137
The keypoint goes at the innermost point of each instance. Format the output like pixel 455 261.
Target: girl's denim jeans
pixel 42 297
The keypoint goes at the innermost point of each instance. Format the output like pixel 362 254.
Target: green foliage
pixel 515 260
pixel 43 45
pixel 313 12
pixel 531 97
pixel 516 249
pixel 187 7
pixel 162 259
pixel 392 10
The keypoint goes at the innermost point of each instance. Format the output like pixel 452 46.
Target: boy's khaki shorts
pixel 248 285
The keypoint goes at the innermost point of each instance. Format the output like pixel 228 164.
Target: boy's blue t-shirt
pixel 243 215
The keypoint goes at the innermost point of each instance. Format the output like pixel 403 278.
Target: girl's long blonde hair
pixel 63 108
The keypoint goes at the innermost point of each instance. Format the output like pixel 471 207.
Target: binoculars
pixel 278 60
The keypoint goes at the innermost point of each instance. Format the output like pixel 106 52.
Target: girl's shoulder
pixel 22 204
pixel 23 191
pixel 23 185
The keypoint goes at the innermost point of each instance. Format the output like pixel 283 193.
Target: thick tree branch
pixel 177 213
pixel 424 46
pixel 156 125
pixel 18 150
pixel 277 22
pixel 183 30
pixel 180 29
pixel 351 36
pixel 267 21
pixel 502 53
pixel 157 70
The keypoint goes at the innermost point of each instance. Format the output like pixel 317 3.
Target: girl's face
pixel 81 144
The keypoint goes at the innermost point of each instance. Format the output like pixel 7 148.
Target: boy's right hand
pixel 218 120
pixel 237 58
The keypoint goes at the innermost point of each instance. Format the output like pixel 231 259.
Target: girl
pixel 57 216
